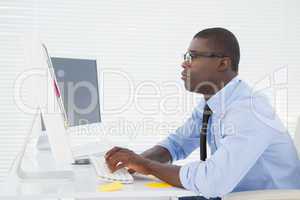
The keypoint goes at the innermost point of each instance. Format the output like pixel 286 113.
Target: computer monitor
pixel 78 82
pixel 54 116
pixel 72 87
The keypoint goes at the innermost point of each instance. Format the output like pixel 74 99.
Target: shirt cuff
pixel 185 175
pixel 192 178
pixel 166 144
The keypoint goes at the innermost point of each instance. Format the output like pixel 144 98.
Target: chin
pixel 193 89
pixel 189 88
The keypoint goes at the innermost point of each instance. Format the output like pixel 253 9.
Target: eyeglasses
pixel 190 56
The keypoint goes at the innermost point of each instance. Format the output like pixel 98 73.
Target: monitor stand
pixel 42 143
pixel 32 163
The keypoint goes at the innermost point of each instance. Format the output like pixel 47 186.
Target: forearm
pixel 158 153
pixel 165 172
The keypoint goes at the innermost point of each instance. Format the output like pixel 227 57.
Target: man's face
pixel 200 74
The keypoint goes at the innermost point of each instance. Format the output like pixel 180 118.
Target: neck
pixel 220 84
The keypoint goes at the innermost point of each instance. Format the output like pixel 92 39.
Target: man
pixel 250 148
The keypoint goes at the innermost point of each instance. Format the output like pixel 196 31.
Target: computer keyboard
pixel 104 173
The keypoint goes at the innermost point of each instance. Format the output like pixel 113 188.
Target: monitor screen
pixel 78 83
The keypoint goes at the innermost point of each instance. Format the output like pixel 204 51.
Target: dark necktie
pixel 206 115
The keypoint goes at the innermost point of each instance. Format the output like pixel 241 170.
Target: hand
pixel 118 158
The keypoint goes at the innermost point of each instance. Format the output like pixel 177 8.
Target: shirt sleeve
pixel 185 139
pixel 236 154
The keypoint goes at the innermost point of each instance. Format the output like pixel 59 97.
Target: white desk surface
pixel 83 186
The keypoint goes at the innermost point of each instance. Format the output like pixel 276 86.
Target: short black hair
pixel 223 42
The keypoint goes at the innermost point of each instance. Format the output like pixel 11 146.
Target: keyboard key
pixel 104 173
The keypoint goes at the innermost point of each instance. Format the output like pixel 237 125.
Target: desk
pixel 82 186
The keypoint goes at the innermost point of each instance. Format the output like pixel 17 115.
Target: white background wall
pixel 144 40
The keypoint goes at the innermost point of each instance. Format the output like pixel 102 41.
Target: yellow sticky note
pixel 111 187
pixel 158 185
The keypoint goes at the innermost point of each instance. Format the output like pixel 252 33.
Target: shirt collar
pixel 219 101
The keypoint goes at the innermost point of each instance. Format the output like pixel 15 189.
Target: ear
pixel 224 64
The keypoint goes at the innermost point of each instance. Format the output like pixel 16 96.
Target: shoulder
pixel 254 110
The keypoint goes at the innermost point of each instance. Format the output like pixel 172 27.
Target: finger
pixel 131 171
pixel 126 151
pixel 115 159
pixel 112 163
pixel 119 166
pixel 111 152
pixel 117 152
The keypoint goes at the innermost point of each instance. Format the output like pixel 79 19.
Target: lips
pixel 184 75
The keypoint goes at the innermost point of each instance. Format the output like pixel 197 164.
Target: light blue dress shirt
pixel 250 147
